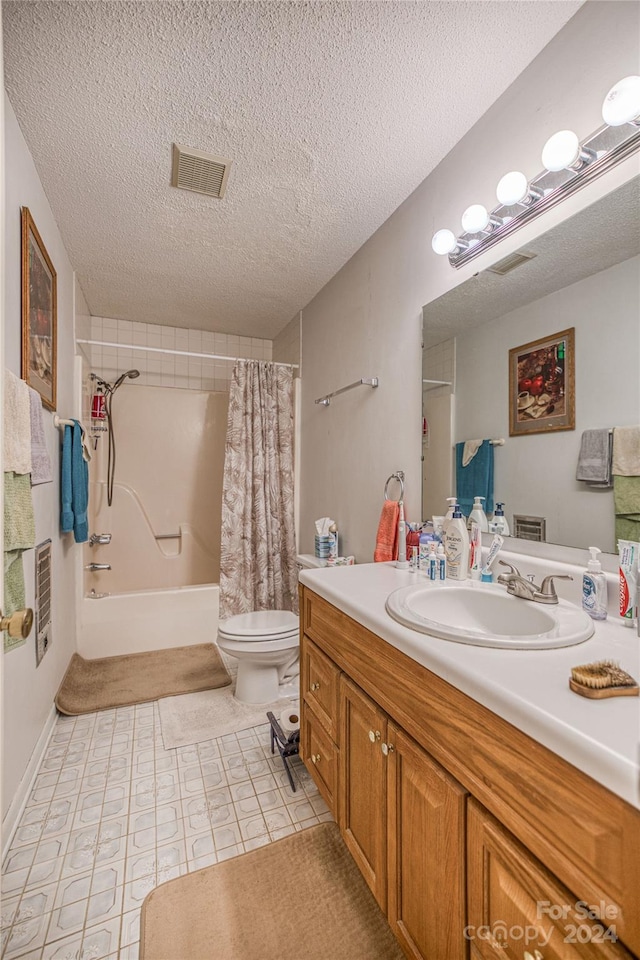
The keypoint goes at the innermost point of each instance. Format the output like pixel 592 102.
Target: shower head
pixel 131 374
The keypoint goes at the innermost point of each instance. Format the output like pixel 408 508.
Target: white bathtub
pixel 148 620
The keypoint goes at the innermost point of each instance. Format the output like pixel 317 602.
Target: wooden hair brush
pixel 602 679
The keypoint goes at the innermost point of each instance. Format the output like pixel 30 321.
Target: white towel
pixel 17 424
pixel 471 447
pixel 40 460
pixel 626 452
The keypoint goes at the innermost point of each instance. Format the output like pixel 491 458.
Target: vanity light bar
pixel 569 166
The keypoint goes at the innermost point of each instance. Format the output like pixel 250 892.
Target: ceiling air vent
pixel 199 172
pixel 510 263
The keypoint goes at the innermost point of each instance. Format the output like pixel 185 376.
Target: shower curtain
pixel 258 569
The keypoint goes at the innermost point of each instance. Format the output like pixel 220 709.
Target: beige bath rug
pixel 205 716
pixel 301 897
pixel 90 685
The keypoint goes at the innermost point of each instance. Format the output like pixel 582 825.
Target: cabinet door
pixel 516 905
pixel 362 785
pixel 426 859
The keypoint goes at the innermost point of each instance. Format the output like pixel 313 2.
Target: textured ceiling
pixel 331 112
pixel 605 233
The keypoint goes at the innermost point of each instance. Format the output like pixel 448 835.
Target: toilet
pixel 266 644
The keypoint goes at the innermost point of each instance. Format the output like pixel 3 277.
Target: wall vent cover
pixel 43 599
pixel 510 263
pixel 199 172
pixel 530 528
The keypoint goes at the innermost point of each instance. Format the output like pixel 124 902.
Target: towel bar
pixel 399 476
pixel 363 381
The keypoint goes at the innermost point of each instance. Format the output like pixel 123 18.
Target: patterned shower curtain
pixel 258 569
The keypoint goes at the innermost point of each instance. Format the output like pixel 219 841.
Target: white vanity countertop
pixel 528 688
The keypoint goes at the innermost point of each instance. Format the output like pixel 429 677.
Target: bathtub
pixel 148 620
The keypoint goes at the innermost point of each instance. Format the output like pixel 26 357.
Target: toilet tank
pixel 306 561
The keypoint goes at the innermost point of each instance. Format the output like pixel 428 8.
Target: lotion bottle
pixel 449 515
pixel 456 546
pixel 478 515
pixel 594 588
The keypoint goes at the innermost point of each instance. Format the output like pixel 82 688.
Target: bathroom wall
pixel 526 468
pixel 367 320
pixel 170 459
pixel 287 346
pixel 28 691
pixel 165 369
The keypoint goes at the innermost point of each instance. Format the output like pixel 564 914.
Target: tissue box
pixel 323 546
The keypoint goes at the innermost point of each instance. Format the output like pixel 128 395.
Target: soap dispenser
pixel 594 588
pixel 478 515
pixel 499 523
pixel 456 546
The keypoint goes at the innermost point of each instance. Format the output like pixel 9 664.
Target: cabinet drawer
pixel 320 678
pixel 516 905
pixel 320 756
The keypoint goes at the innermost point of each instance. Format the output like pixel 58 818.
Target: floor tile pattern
pixel 112 814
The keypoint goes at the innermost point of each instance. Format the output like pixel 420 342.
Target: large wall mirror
pixel 585 274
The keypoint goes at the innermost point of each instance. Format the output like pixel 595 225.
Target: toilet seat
pixel 260 624
pixel 264 626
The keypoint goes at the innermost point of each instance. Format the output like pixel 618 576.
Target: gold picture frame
pixel 39 313
pixel 542 385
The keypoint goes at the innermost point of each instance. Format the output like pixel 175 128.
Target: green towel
pixel 626 499
pixel 19 535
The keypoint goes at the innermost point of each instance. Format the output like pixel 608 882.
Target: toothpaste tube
pixel 496 543
pixel 629 551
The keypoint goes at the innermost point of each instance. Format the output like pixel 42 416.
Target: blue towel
pixel 74 488
pixel 66 493
pixel 476 479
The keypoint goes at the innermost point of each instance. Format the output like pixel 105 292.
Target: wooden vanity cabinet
pixel 402 813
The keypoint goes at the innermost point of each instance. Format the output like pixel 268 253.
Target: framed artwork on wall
pixel 39 313
pixel 542 385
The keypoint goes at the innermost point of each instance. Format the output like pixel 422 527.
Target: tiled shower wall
pixel 165 369
pixel 439 363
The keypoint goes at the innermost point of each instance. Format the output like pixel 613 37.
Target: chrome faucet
pixel 98 538
pixel 527 589
pixel 98 566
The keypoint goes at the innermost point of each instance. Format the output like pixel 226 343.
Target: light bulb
pixel 475 218
pixel 622 103
pixel 443 242
pixel 560 151
pixel 512 188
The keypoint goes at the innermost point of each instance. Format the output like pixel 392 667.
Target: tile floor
pixel 112 814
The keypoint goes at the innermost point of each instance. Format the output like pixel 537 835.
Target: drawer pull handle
pixel 315 686
pixel 315 758
pixel 373 736
pixel 387 748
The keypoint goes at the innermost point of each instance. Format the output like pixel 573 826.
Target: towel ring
pixel 399 476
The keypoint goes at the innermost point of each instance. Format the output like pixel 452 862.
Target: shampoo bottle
pixel 594 588
pixel 456 546
pixel 478 515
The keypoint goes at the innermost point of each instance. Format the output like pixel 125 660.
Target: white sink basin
pixel 483 614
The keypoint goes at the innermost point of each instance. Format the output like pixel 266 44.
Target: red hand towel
pixel 387 537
